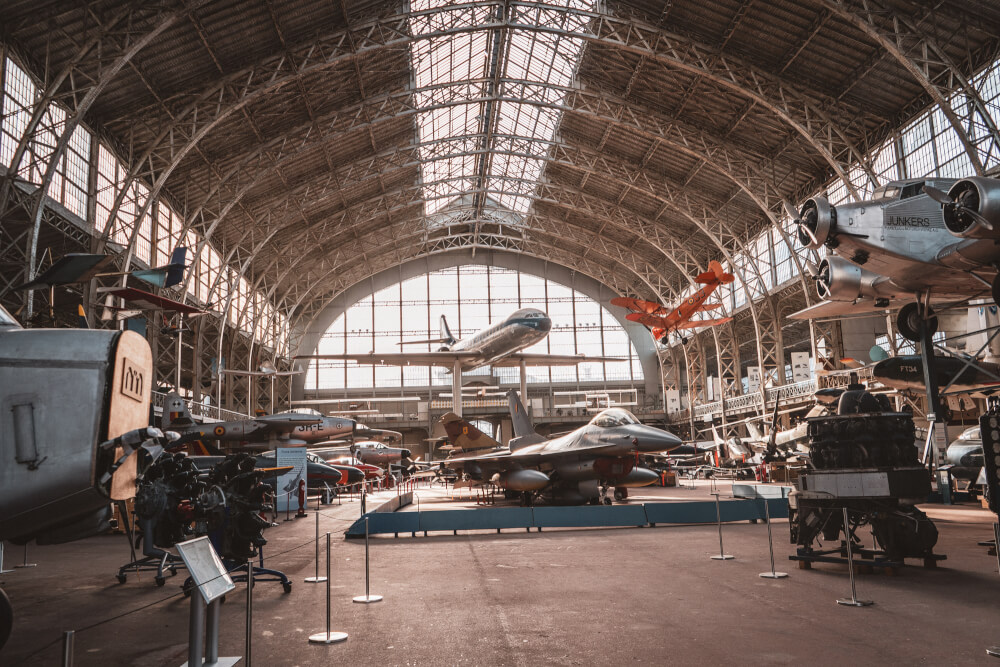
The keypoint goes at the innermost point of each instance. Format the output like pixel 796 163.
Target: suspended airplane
pixel 911 244
pixel 497 345
pixel 266 368
pixel 954 374
pixel 577 467
pixel 663 322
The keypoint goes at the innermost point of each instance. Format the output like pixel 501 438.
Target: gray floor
pixel 568 597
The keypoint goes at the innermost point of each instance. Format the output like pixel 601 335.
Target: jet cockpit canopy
pixel 614 417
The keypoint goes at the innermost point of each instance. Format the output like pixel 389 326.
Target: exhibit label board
pixel 753 379
pixel 800 366
pixel 288 483
pixel 206 568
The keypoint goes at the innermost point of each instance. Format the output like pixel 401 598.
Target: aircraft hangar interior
pixel 499 332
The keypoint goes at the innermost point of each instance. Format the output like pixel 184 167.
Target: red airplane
pixel 663 322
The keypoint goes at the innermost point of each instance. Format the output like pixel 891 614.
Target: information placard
pixel 206 568
pixel 288 483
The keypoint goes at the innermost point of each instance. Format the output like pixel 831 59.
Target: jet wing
pixel 650 320
pixel 838 308
pixel 538 359
pixel 72 268
pixel 446 359
pixel 149 301
pixel 536 454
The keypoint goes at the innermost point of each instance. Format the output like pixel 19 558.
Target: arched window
pixel 471 297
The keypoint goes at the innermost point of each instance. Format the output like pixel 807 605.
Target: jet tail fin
pixel 446 332
pixel 715 274
pixel 524 432
pixel 175 270
pixel 465 436
pixel 175 412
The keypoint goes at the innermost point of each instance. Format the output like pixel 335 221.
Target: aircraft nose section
pixel 544 324
pixel 652 439
pixel 405 453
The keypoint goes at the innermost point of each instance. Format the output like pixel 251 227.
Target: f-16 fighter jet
pixel 574 468
pixel 663 322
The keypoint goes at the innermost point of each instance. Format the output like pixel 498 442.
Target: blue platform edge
pixel 584 516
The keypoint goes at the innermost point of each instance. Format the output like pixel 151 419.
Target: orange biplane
pixel 663 322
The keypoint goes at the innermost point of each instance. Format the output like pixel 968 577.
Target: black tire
pixel 160 581
pixel 122 578
pixel 911 321
pixel 607 501
pixel 287 586
pixel 621 493
pixel 6 618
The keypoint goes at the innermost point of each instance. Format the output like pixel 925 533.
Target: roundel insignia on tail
pixel 465 430
pixel 219 430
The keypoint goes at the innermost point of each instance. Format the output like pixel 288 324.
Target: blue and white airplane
pixel 499 344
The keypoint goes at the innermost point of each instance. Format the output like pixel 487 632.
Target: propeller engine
pixel 969 207
pixel 816 221
pixel 839 280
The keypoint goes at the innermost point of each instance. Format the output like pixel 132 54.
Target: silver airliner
pixel 499 344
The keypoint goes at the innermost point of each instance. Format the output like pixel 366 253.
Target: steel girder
pixel 902 37
pixel 234 92
pixel 107 51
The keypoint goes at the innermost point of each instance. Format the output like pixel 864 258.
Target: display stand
pixel 212 581
pixel 367 598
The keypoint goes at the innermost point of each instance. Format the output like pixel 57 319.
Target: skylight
pixel 478 133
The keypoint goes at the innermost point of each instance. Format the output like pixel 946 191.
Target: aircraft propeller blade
pixel 790 210
pixel 943 199
pixel 809 232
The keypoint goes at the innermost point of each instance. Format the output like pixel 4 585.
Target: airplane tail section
pixel 715 274
pixel 175 412
pixel 524 433
pixel 446 332
pixel 175 270
pixel 464 436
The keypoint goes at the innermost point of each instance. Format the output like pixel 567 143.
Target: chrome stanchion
pixel 854 601
pixel 995 650
pixel 316 579
pixel 25 563
pixel 288 507
pixel 770 545
pixel 249 610
pixel 718 520
pixel 67 660
pixel 327 637
pixel 367 598
pixel 3 571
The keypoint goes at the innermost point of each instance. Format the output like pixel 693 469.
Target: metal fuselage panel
pixel 331 428
pixel 522 329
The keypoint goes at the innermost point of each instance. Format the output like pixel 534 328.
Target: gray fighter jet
pixel 264 432
pixel 574 468
pixel 909 245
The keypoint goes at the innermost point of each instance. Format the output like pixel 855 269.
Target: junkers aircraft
pixel 914 242
pixel 577 467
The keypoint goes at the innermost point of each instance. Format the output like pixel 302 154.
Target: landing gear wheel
pixel 911 321
pixel 122 578
pixel 621 493
pixel 287 586
pixel 607 501
pixel 173 571
pixel 160 581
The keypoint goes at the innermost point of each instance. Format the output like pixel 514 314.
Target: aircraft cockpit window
pixel 912 190
pixel 614 417
pixel 886 192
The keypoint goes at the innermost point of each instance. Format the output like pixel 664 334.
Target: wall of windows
pixel 471 297
pixel 160 228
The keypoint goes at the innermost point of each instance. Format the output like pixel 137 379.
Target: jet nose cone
pixel 544 324
pixel 652 439
pixel 405 453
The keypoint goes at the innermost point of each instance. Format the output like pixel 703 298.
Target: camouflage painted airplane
pixel 576 467
pixel 464 437
pixel 264 432
pixel 662 322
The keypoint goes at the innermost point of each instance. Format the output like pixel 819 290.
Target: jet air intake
pixel 840 280
pixel 972 208
pixel 816 221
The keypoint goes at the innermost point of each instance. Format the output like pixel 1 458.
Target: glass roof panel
pixel 488 92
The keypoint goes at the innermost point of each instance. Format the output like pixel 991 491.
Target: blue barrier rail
pixel 584 516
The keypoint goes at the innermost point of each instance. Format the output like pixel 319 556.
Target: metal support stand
pixel 203 634
pixel 770 545
pixel 316 579
pixel 854 601
pixel 288 506
pixel 67 660
pixel 718 519
pixel 2 571
pixel 995 650
pixel 249 638
pixel 367 598
pixel 25 563
pixel 929 368
pixel 327 637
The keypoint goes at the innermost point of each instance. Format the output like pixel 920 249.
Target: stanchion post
pixel 249 640
pixel 367 598
pixel 196 628
pixel 718 520
pixel 854 601
pixel 67 660
pixel 770 545
pixel 288 506
pixel 25 562
pixel 316 579
pixel 327 637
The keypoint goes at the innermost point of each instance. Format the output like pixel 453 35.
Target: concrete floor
pixel 564 597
